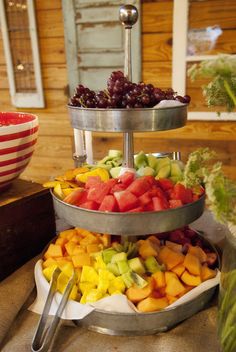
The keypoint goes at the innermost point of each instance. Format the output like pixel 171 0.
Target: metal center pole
pixel 128 17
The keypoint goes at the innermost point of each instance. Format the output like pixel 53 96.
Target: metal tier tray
pixel 127 324
pixel 130 224
pixel 128 120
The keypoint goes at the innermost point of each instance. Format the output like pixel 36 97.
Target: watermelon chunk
pixel 136 210
pixel 127 178
pixel 159 204
pixel 92 180
pixel 139 186
pixel 151 180
pixel 98 191
pixel 145 198
pixel 90 205
pixel 118 187
pixel 175 203
pixel 182 193
pixel 165 183
pixel 126 200
pixel 109 203
pixel 76 197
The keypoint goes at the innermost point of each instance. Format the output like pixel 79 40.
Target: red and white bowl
pixel 18 135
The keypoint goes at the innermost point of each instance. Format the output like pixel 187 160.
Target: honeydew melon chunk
pixel 152 161
pixel 139 281
pixel 115 171
pixel 136 265
pixel 161 162
pixel 145 171
pixel 118 257
pixel 107 255
pixel 113 153
pixel 127 278
pixel 176 169
pixel 123 266
pixel 164 172
pixel 113 268
pixel 140 160
pixel 152 265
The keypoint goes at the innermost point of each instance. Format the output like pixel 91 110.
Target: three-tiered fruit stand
pixel 133 224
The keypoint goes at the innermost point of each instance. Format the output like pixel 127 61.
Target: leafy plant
pixel 221 90
pixel 220 190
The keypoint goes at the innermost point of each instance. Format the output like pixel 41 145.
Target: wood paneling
pixel 210 13
pixel 157 73
pixel 157 17
pixel 157 46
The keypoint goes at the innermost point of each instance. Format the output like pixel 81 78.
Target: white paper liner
pixel 168 104
pixel 115 303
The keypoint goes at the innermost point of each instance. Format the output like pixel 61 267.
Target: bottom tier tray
pixel 130 224
pixel 131 324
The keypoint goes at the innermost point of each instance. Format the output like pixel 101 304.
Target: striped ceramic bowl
pixel 18 135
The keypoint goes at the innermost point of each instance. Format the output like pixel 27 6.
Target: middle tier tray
pixel 128 120
pixel 130 224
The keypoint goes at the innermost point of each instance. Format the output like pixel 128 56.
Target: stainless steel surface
pixel 128 16
pixel 44 334
pixel 79 160
pixel 128 120
pixel 128 324
pixel 131 224
pixel 128 150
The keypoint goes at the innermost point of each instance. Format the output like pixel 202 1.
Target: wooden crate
pixel 27 224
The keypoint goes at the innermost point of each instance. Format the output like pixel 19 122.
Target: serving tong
pixel 44 334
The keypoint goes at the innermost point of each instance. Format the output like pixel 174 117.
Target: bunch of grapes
pixel 123 94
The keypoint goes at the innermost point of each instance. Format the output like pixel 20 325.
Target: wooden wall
pixel 54 148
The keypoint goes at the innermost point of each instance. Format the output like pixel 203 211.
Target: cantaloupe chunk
pixel 148 249
pixel 61 261
pixel 136 294
pixel 78 249
pixel 169 257
pixel 151 304
pixel 93 248
pixel 207 273
pixel 61 241
pixel 49 262
pixel 190 280
pixel 81 259
pixel 178 269
pixel 159 278
pixel 69 247
pixel 54 250
pixel 154 239
pixel 105 239
pixel 171 299
pixel 89 239
pixel 67 234
pixel 174 246
pixel 169 275
pixel 192 264
pixel 198 252
pixel 174 287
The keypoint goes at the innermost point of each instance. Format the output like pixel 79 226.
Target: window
pixel 201 30
pixel 18 25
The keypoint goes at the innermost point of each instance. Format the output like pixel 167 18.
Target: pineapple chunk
pixel 48 272
pixel 116 286
pixel 49 262
pixel 54 250
pixel 89 274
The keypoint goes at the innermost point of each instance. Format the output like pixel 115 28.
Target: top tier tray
pixel 128 120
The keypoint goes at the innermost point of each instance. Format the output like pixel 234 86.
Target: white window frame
pixel 180 60
pixel 23 100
